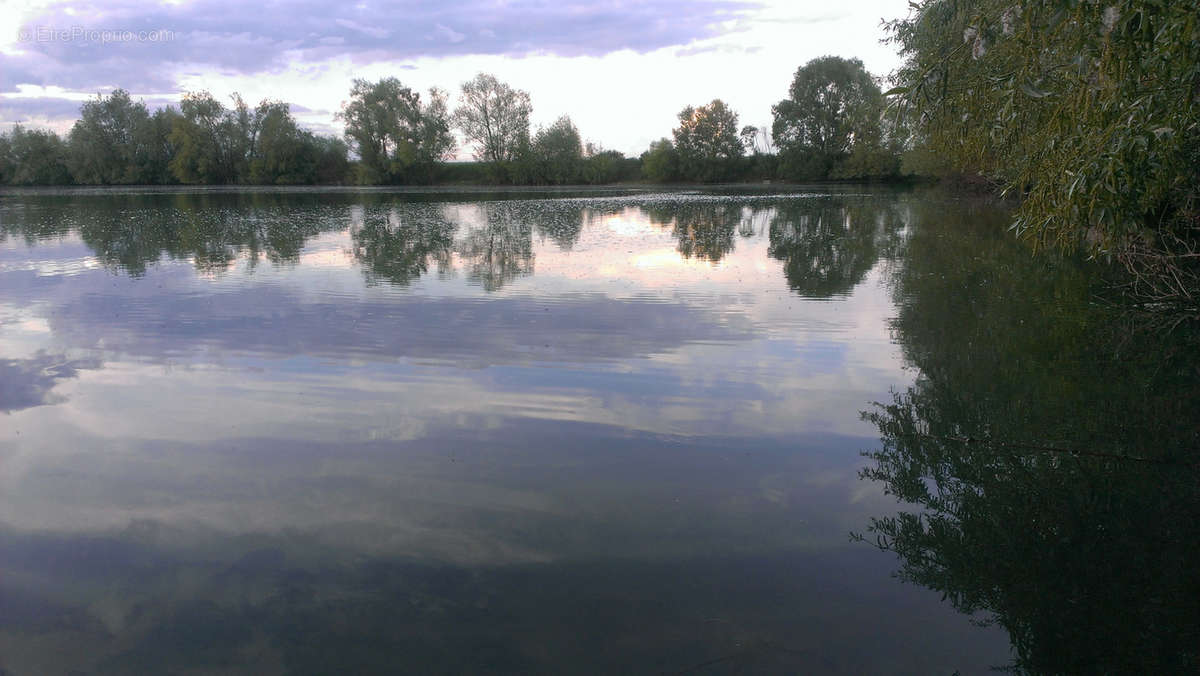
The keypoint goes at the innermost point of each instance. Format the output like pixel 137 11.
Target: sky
pixel 621 69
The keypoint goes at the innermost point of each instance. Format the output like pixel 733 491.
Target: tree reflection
pixel 1087 558
pixel 213 239
pixel 562 222
pixel 132 231
pixel 398 245
pixel 704 229
pixel 499 249
pixel 829 245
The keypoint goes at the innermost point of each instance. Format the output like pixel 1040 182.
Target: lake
pixel 612 431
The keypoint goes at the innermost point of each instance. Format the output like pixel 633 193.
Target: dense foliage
pixel 829 126
pixel 661 162
pixel 398 138
pixel 33 157
pixel 1089 110
pixel 707 142
pixel 117 141
pixel 558 151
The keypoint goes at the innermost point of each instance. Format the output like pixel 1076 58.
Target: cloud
pixel 139 46
pixel 449 34
pixel 37 109
pixel 60 112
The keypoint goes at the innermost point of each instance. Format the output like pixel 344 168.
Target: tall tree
pixel 707 141
pixel 6 159
pixel 558 152
pixel 398 138
pixel 495 117
pixel 833 104
pixel 104 143
pixel 239 129
pixel 151 162
pixel 282 152
pixel 203 151
pixel 437 141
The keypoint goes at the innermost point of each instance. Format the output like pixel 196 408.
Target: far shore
pixel 755 186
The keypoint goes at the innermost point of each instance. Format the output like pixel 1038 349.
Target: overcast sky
pixel 621 69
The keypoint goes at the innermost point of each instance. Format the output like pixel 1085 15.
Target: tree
pixel 6 159
pixel 104 143
pixel 209 143
pixel 495 117
pixel 151 162
pixel 748 134
pixel 118 141
pixel 707 142
pixel 1088 109
pixel 37 157
pixel 606 166
pixel 240 128
pixel 760 143
pixel 203 150
pixel 398 138
pixel 661 163
pixel 833 105
pixel 332 164
pixel 437 142
pixel 282 152
pixel 558 152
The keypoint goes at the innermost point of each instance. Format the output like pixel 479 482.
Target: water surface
pixel 611 431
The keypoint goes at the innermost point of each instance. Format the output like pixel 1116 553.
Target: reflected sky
pixel 438 380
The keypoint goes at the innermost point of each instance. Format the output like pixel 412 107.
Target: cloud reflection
pixel 30 382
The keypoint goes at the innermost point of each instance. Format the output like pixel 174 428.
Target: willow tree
pixel 204 148
pixel 118 140
pixel 103 143
pixel 399 138
pixel 495 117
pixel 1090 110
pixel 34 157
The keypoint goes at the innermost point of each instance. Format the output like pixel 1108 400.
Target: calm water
pixel 608 432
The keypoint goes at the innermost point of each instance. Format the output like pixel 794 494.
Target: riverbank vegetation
pixel 1087 111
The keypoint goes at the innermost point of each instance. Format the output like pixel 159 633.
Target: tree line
pixel 831 126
